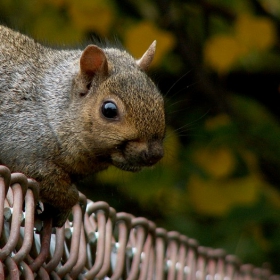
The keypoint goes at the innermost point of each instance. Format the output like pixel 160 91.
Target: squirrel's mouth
pixel 119 160
pixel 133 164
pixel 127 167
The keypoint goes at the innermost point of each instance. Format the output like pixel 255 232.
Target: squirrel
pixel 68 113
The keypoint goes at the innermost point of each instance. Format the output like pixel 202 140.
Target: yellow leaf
pixel 221 52
pixel 218 121
pixel 216 198
pixel 54 29
pixel 140 36
pixel 170 200
pixel 260 236
pixel 272 194
pixel 257 33
pixel 271 6
pixel 171 148
pixel 114 176
pixel 95 15
pixel 218 163
pixel 56 3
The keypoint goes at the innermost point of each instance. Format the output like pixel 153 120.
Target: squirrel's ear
pixel 93 61
pixel 145 61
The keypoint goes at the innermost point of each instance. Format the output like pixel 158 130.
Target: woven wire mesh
pixel 98 243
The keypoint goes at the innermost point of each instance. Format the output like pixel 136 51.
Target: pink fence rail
pixel 98 243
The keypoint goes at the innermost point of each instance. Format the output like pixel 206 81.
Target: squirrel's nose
pixel 152 156
pixel 151 160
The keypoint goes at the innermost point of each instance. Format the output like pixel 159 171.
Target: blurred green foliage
pixel 218 62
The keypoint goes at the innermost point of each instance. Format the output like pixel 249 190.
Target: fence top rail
pixel 96 242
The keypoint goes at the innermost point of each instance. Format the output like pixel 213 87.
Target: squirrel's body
pixel 73 112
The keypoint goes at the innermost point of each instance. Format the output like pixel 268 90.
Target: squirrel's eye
pixel 109 110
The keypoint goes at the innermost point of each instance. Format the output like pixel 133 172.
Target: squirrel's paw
pixel 58 216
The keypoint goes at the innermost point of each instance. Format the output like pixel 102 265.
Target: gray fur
pixel 50 133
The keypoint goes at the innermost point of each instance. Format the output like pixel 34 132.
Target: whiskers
pixel 173 105
pixel 190 125
pixel 175 83
pixel 180 110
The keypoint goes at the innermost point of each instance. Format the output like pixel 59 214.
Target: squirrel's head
pixel 122 110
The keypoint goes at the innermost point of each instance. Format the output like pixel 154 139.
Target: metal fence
pixel 98 243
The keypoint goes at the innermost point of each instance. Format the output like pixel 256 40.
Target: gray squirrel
pixel 65 113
